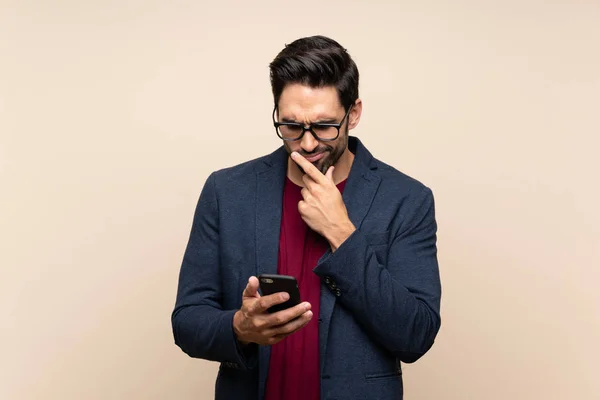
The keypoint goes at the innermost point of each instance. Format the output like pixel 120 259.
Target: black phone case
pixel 270 283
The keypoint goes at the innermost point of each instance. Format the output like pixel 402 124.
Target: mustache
pixel 317 150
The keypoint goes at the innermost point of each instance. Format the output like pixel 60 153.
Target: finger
pixel 309 183
pixel 303 207
pixel 329 173
pixel 305 193
pixel 308 167
pixel 292 326
pixel 251 289
pixel 267 302
pixel 284 316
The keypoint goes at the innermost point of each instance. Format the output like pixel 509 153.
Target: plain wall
pixel 113 113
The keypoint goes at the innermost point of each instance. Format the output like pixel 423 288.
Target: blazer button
pixel 338 292
pixel 328 280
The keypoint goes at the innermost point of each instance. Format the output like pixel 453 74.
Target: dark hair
pixel 315 61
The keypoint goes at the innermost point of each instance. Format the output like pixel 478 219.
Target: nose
pixel 308 142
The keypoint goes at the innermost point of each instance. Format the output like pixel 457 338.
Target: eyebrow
pixel 321 121
pixel 326 121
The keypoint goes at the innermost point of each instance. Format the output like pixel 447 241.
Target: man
pixel 359 236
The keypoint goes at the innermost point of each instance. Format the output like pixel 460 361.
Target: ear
pixel 355 113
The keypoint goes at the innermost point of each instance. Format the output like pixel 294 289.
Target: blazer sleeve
pixel 397 304
pixel 201 328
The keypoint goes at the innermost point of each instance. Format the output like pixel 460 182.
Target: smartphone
pixel 271 283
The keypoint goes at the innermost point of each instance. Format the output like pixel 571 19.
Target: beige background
pixel 113 113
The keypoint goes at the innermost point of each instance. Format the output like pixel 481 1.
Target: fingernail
pixel 285 296
pixel 309 313
pixel 306 306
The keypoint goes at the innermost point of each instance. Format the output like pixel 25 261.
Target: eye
pixel 290 131
pixel 325 131
pixel 291 128
pixel 321 128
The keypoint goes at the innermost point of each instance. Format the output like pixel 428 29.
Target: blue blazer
pixel 380 292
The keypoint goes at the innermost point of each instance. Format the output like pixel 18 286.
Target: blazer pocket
pixel 383 375
pixel 378 244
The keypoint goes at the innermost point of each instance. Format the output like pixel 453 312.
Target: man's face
pixel 306 105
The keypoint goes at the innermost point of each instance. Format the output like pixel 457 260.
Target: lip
pixel 316 157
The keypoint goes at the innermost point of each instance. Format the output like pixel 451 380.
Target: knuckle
pixel 288 328
pixel 260 304
pixel 299 310
pixel 273 340
pixel 273 332
pixel 266 304
pixel 256 323
pixel 261 324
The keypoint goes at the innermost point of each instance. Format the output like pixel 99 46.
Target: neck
pixel 340 173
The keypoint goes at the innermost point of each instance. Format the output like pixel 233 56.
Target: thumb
pixel 251 289
pixel 329 173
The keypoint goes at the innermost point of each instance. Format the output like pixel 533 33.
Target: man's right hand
pixel 254 324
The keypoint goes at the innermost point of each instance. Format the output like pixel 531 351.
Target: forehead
pixel 303 102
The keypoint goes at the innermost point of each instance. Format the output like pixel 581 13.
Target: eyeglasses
pixel 325 132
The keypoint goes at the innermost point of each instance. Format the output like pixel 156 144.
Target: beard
pixel 331 153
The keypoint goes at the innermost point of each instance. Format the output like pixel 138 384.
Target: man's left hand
pixel 322 207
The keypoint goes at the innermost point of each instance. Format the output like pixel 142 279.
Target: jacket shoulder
pixel 396 180
pixel 239 173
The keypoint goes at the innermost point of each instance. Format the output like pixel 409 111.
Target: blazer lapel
pixel 269 195
pixel 358 195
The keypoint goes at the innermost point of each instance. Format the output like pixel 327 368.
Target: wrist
pixel 340 235
pixel 237 318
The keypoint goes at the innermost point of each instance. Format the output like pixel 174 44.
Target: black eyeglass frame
pixel 310 128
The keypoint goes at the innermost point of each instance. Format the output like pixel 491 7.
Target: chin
pixel 322 165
